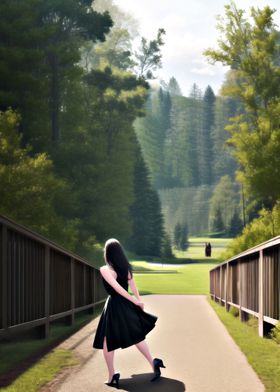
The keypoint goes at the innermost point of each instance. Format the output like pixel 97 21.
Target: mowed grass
pixel 41 373
pixel 189 278
pixel 186 279
pixel 263 354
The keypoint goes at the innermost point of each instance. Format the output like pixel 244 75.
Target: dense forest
pixel 183 140
pixel 71 87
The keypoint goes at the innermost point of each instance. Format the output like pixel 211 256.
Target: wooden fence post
pixel 239 287
pixel 214 284
pixel 44 330
pixel 226 288
pixel 220 283
pixel 243 316
pixel 4 282
pixel 72 288
pixel 261 293
pixel 47 289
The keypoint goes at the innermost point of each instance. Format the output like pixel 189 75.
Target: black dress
pixel 121 321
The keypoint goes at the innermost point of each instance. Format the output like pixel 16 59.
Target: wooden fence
pixel 250 282
pixel 41 281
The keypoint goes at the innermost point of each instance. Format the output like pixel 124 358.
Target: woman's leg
pixel 109 358
pixel 144 349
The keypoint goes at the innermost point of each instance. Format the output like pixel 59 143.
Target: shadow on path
pixel 141 382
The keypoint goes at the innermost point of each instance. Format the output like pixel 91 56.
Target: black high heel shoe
pixel 115 378
pixel 157 365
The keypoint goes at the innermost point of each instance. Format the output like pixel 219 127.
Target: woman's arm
pixel 107 275
pixel 134 289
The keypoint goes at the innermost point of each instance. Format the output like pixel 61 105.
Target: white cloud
pixel 190 29
pixel 203 71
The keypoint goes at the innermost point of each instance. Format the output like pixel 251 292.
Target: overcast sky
pixel 190 28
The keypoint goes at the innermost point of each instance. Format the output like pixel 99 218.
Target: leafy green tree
pixel 148 57
pixel 40 50
pixel 226 199
pixel 30 191
pixel 116 50
pixel 67 23
pixel 102 171
pixel 23 69
pixel 251 49
pixel 78 115
pixel 261 229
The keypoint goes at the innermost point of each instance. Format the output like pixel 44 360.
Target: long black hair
pixel 115 256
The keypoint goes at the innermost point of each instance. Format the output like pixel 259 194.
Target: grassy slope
pixel 187 279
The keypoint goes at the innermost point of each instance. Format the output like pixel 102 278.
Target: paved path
pixel 198 352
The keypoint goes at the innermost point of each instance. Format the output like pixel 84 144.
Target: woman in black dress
pixel 123 321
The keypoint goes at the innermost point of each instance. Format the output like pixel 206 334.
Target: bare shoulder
pixel 105 269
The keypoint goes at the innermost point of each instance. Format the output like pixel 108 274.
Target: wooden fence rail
pixel 41 281
pixel 250 282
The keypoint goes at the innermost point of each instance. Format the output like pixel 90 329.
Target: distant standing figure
pixel 123 321
pixel 208 249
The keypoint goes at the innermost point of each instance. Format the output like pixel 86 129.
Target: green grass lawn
pixel 262 353
pixel 187 279
pixel 190 278
pixel 42 372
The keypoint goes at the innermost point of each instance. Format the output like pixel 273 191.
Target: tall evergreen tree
pixel 223 162
pixel 166 250
pixel 206 148
pixel 195 125
pixel 173 87
pixel 147 221
pixel 184 237
pixel 177 235
pixel 218 224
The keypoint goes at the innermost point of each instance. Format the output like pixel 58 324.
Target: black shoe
pixel 115 379
pixel 157 365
